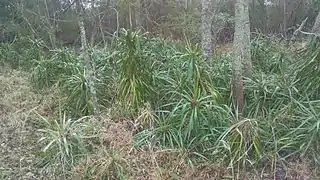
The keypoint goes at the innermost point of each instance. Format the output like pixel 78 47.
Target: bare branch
pixel 309 33
pixel 297 31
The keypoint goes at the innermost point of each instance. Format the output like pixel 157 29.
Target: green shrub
pixel 47 72
pixel 135 86
pixel 63 140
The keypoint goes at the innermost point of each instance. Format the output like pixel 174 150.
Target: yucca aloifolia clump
pixel 306 134
pixel 135 71
pixel 192 95
pixel 63 140
pixel 308 69
pixel 242 143
pixel 47 72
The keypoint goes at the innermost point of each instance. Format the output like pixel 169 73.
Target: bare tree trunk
pixel 316 26
pixel 241 48
pixel 88 68
pixel 242 35
pixel 94 24
pixel 285 18
pixel 138 14
pixel 51 25
pixel 206 22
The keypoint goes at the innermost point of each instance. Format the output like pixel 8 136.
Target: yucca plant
pixel 106 74
pixel 47 72
pixel 63 140
pixel 241 142
pixel 269 57
pixel 265 92
pixel 307 132
pixel 165 132
pixel 191 98
pixel 135 74
pixel 308 70
pixel 75 92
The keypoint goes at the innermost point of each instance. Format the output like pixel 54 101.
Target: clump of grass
pixel 192 109
pixel 308 69
pixel 76 94
pixel 9 56
pixel 268 56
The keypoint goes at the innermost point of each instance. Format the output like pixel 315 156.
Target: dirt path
pixel 17 138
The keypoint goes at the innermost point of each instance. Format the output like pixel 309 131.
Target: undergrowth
pixel 173 98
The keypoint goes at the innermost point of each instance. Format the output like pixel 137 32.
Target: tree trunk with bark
pixel 316 26
pixel 241 64
pixel 285 17
pixel 88 68
pixel 206 22
pixel 138 14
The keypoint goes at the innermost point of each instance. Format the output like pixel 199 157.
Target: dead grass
pixel 17 138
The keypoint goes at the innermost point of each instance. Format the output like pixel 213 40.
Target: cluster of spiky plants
pixel 181 99
pixel 135 70
pixel 48 71
pixel 63 140
pixel 22 52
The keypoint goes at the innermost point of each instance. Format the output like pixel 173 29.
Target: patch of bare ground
pixel 18 138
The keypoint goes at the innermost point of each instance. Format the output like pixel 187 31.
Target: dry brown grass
pixel 141 163
pixel 17 138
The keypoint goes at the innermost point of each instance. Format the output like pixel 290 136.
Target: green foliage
pixel 268 56
pixel 22 53
pixel 307 133
pixel 267 92
pixel 242 141
pixel 190 107
pixel 47 72
pixel 180 100
pixel 8 55
pixel 74 88
pixel 308 70
pixel 194 96
pixel 135 75
pixel 63 140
